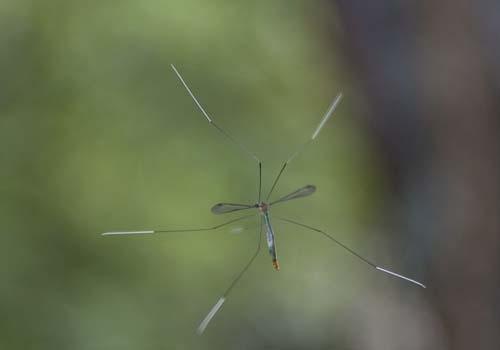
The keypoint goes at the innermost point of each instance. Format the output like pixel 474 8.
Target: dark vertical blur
pixel 430 71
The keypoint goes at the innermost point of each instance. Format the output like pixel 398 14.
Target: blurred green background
pixel 97 134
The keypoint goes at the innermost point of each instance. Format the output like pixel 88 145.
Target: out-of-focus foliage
pixel 97 134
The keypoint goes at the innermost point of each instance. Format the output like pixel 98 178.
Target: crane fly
pixel 263 207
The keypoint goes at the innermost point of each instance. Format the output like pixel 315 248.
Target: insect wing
pixel 301 192
pixel 222 208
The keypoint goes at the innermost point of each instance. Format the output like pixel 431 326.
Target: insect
pixel 263 207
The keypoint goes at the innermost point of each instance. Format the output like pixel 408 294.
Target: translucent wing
pixel 222 208
pixel 301 192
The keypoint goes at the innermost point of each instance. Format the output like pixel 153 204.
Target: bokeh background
pixel 97 134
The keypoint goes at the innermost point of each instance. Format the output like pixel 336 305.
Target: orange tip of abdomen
pixel 276 265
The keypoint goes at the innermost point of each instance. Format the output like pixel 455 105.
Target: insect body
pixel 263 208
pixel 271 244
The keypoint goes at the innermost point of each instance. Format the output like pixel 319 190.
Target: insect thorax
pixel 263 207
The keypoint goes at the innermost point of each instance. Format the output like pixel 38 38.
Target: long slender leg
pixel 353 252
pixel 321 124
pixel 203 325
pixel 260 182
pixel 146 232
pixel 211 122
pixel 276 181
